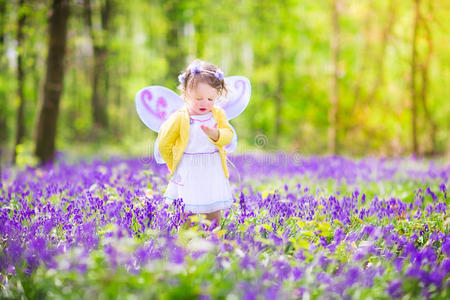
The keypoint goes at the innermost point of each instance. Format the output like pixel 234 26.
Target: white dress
pixel 199 179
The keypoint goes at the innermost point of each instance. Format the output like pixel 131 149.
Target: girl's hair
pixel 202 71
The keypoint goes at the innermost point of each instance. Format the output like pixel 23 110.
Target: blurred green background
pixel 328 76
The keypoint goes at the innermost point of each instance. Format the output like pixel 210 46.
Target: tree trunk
pixel 367 55
pixel 99 41
pixel 2 23
pixel 3 124
pixel 48 115
pixel 175 53
pixel 20 125
pixel 424 91
pixel 413 79
pixel 334 93
pixel 279 92
pixel 379 62
pixel 280 70
pixel 364 57
pixel 99 106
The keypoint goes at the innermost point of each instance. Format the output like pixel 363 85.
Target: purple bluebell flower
pixel 363 198
pixel 323 277
pixel 182 77
pixel 446 265
pixel 433 195
pixel 247 262
pixel 298 273
pixel 352 276
pixel 398 264
pixel 435 277
pixel 443 189
pixel 271 292
pixel 446 245
pixel 196 69
pixel 395 288
pixel 177 255
pixel 219 74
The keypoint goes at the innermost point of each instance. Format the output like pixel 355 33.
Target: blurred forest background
pixel 328 76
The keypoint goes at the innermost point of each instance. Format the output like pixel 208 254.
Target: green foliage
pixel 25 155
pixel 282 46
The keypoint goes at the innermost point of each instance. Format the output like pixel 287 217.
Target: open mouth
pixel 202 109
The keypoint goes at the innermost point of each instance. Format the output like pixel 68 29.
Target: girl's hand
pixel 211 132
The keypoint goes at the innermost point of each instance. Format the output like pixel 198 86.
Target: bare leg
pixel 214 216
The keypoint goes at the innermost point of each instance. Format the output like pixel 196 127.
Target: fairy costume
pixel 197 164
pixel 200 178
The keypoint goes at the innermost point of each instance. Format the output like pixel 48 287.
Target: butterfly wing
pixel 154 105
pixel 238 97
pixel 156 153
pixel 232 146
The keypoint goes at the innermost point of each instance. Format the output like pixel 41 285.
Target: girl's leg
pixel 214 216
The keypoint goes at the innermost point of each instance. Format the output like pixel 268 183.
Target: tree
pixel 413 78
pixel 334 92
pixel 100 47
pixel 48 115
pixel 424 69
pixel 175 54
pixel 3 123
pixel 20 124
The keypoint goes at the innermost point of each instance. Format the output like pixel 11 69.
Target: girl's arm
pixel 225 131
pixel 167 135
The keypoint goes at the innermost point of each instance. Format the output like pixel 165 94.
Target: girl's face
pixel 200 100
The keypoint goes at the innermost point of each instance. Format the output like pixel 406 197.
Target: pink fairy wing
pixel 154 105
pixel 237 99
pixel 232 146
pixel 156 153
pixel 239 92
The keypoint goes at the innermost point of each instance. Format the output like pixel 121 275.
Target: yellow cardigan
pixel 173 137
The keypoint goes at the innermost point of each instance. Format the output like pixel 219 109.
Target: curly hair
pixel 190 79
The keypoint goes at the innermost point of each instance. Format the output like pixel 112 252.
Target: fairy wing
pixel 156 153
pixel 239 92
pixel 237 99
pixel 232 146
pixel 154 105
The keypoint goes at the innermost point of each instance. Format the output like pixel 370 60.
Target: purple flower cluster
pixel 319 226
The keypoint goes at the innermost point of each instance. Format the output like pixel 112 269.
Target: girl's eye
pixel 210 99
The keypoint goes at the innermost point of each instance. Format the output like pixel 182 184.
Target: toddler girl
pixel 192 141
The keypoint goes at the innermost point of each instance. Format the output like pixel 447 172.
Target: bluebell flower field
pixel 299 228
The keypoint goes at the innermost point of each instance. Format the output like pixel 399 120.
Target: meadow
pixel 325 227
